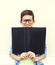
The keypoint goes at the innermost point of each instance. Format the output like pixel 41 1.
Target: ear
pixel 34 21
pixel 20 21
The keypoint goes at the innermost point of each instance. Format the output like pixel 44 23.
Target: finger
pixel 30 56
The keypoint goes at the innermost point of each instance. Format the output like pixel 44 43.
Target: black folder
pixel 26 39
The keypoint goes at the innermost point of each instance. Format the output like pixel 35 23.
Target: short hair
pixel 27 12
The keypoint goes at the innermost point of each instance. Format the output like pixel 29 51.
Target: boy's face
pixel 27 21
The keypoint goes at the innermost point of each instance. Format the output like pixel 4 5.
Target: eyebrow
pixel 27 20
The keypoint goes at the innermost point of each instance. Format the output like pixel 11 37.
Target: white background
pixel 10 10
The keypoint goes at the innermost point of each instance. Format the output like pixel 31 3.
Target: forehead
pixel 27 17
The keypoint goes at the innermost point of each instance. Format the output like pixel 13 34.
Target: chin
pixel 28 26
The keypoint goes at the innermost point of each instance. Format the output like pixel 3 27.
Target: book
pixel 26 39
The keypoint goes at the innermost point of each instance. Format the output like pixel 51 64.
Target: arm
pixel 36 57
pixel 39 58
pixel 15 57
pixel 19 57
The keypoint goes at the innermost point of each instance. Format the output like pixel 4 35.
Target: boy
pixel 27 20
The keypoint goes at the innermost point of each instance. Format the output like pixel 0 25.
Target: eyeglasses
pixel 27 20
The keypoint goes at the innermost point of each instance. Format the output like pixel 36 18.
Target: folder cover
pixel 26 39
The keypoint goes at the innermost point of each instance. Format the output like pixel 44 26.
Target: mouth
pixel 27 25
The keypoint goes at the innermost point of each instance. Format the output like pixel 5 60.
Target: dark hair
pixel 27 12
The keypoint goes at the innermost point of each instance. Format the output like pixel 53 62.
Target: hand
pixel 23 56
pixel 31 55
pixel 35 59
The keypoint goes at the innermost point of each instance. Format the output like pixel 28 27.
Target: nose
pixel 27 22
